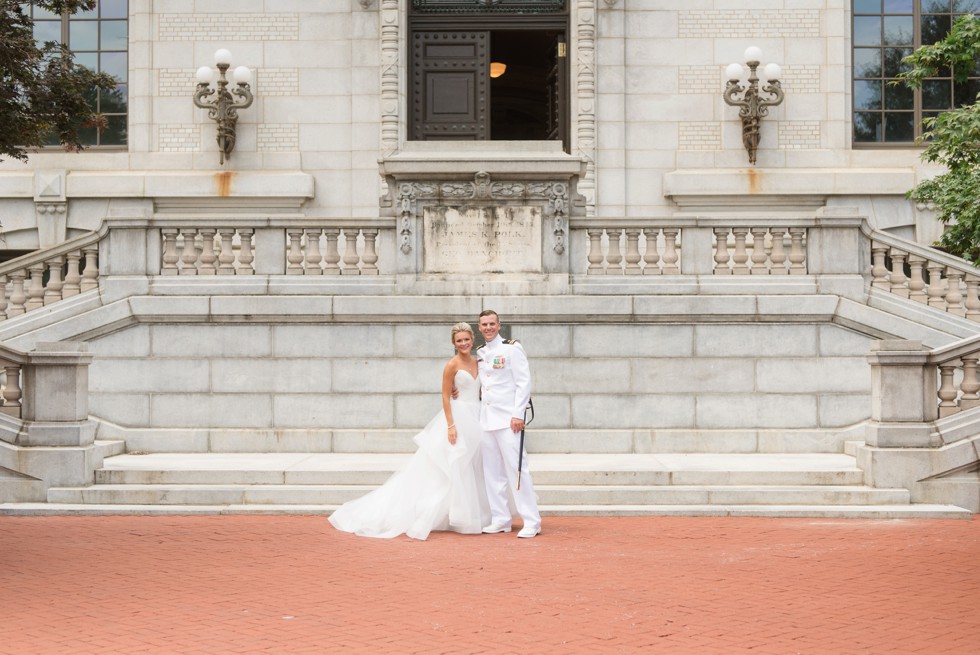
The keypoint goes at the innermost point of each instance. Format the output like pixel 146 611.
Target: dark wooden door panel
pixel 450 85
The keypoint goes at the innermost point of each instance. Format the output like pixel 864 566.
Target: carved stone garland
pixel 483 188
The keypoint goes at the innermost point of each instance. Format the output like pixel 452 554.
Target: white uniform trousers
pixel 500 449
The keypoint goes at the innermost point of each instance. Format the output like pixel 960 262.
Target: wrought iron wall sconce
pixel 224 105
pixel 752 106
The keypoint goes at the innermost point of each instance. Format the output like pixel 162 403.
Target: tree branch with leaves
pixel 43 92
pixel 953 140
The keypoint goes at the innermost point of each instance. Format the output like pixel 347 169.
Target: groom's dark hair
pixel 489 312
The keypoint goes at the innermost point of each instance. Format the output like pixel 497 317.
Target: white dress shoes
pixel 528 531
pixel 494 528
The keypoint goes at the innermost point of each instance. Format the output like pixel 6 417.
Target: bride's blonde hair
pixel 460 327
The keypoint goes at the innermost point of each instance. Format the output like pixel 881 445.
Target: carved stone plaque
pixel 481 239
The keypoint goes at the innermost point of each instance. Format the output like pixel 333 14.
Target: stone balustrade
pixel 332 251
pixel 11 390
pixel 633 251
pixel 926 276
pixel 44 277
pixel 760 250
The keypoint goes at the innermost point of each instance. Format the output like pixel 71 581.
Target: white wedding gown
pixel 440 488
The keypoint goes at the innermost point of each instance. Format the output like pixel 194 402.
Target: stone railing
pixel 830 241
pixel 925 275
pixel 232 250
pixel 11 391
pixel 41 278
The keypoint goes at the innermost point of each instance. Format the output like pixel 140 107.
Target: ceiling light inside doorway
pixel 497 69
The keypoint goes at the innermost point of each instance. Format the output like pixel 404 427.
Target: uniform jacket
pixel 505 378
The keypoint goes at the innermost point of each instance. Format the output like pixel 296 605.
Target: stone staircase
pixel 824 485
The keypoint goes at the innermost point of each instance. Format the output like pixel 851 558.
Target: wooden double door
pixel 454 97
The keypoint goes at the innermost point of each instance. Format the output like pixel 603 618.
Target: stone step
pixel 555 495
pixel 19 488
pixel 548 469
pixel 767 511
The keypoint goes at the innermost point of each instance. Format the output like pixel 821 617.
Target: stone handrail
pixel 47 276
pixel 959 383
pixel 11 389
pixel 934 278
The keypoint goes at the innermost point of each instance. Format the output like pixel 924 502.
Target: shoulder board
pixel 511 341
pixel 481 347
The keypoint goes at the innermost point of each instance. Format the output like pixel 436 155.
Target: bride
pixel 441 487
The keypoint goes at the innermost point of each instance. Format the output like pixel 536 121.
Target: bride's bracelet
pixel 452 426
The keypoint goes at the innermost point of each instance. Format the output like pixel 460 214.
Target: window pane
pixel 898 96
pixel 893 61
pixel 965 93
pixel 867 6
pixel 867 95
pixel 83 35
pixel 114 35
pixel 867 30
pixel 115 132
pixel 114 100
pixel 88 136
pixel 898 6
pixel 113 8
pixel 934 28
pixel 89 60
pixel 114 63
pixel 898 30
pixel 867 62
pixel 936 94
pixel 966 6
pixel 898 127
pixel 867 128
pixel 935 6
pixel 41 12
pixel 47 30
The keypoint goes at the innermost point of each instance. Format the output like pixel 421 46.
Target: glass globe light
pixel 753 53
pixel 242 75
pixel 734 71
pixel 222 56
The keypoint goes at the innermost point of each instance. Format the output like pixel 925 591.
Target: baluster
pixel 188 256
pixel 897 279
pixel 797 255
pixel 595 252
pixel 947 392
pixel 313 256
pixel 670 251
pixel 207 252
pixel 652 256
pixel 954 294
pixel 73 277
pixel 332 254
pixel 90 275
pixel 972 298
pixel 52 292
pixel 170 256
pixel 35 291
pixel 350 253
pixel 3 297
pixel 935 291
pixel 632 251
pixel 245 256
pixel 370 258
pixel 17 295
pixel 721 251
pixel 12 392
pixel 917 282
pixel 613 257
pixel 226 260
pixel 970 384
pixel 879 272
pixel 777 257
pixel 759 257
pixel 295 254
pixel 740 256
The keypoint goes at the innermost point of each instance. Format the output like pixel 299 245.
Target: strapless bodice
pixel 469 387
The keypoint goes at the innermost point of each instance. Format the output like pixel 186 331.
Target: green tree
pixel 43 93
pixel 952 139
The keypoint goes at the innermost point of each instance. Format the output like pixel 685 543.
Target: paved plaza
pixel 291 584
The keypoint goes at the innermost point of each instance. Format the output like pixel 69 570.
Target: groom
pixel 505 379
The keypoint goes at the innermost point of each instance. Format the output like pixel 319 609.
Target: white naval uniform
pixel 505 378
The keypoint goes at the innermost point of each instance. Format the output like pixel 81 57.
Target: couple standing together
pixel 464 475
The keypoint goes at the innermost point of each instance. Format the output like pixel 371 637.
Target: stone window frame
pixel 862 11
pixel 90 137
pixel 582 84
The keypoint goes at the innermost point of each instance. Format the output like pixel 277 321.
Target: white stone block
pixel 365 410
pixel 214 410
pixel 396 375
pixel 844 409
pixel 632 411
pixel 756 411
pixel 109 375
pixel 837 341
pixel 211 340
pixel 566 375
pixel 755 340
pixel 692 375
pixel 324 340
pixel 414 411
pixel 128 409
pixel 272 376
pixel 829 374
pixel 551 411
pixel 133 341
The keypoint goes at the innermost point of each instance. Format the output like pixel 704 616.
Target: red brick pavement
pixel 293 585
